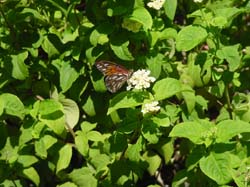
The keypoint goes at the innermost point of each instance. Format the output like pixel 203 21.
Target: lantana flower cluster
pixel 198 1
pixel 151 107
pixel 156 4
pixel 140 80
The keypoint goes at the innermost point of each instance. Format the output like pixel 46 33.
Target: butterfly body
pixel 115 75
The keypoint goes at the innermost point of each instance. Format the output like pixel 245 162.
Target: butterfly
pixel 115 75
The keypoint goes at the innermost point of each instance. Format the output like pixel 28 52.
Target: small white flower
pixel 156 4
pixel 140 79
pixel 198 1
pixel 151 107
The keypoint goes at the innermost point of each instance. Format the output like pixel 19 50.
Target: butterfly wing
pixel 115 75
pixel 115 82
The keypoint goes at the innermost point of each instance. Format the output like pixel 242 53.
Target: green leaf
pixel 155 64
pixel 87 126
pixel 161 119
pixel 69 35
pixel 68 74
pixel 153 160
pixel 121 51
pixel 71 112
pixel 189 37
pixel 194 131
pixel 12 105
pixel 142 16
pixel 231 54
pixel 229 128
pixel 95 136
pixel 189 97
pixel 27 160
pixel 100 34
pixel 127 100
pixel 150 131
pixel 65 155
pixel 83 177
pixel 166 88
pixel 133 151
pixel 67 184
pixel 51 113
pixel 40 149
pixel 32 174
pixel 50 47
pixel 89 107
pixel 20 69
pixel 165 148
pixel 81 142
pixel 217 167
pixel 170 8
pixel 100 161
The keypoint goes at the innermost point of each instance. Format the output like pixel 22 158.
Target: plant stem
pixel 229 106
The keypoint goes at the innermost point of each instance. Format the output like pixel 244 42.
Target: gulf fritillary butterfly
pixel 115 75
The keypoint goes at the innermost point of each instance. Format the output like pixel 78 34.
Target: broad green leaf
pixel 122 51
pixel 228 12
pixel 20 69
pixel 95 136
pixel 87 126
pixel 1 106
pixel 161 119
pixel 127 100
pixel 199 68
pixel 194 157
pixel 165 148
pixel 189 37
pixel 166 88
pixel 170 8
pixel 219 21
pixel 69 35
pixel 52 45
pixel 40 149
pixel 12 105
pixel 155 64
pixel 83 177
pixel 131 25
pixel 231 55
pixel 229 128
pixel 217 167
pixel 49 140
pixel 71 111
pixel 151 131
pixel 27 160
pixel 98 38
pixel 67 184
pixel 100 161
pixel 32 174
pixel 51 113
pixel 133 151
pixel 142 16
pixel 100 34
pixel 81 142
pixel 65 155
pixel 189 97
pixel 194 131
pixel 34 12
pixel 68 74
pixel 89 107
pixel 153 160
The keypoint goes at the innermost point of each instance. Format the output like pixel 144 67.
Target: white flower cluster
pixel 140 79
pixel 151 107
pixel 156 4
pixel 198 1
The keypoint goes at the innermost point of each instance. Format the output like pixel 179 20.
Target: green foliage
pixel 59 125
